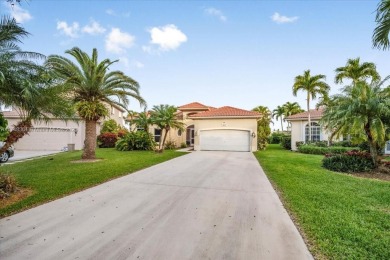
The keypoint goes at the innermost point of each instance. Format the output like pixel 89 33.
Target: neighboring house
pixel 299 129
pixel 217 129
pixel 57 134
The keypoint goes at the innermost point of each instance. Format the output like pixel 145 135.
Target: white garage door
pixel 224 140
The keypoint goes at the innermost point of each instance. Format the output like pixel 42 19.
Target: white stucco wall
pixel 298 133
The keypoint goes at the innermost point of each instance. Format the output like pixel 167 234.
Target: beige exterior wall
pixel 298 133
pixel 241 124
pixel 52 136
pixel 116 114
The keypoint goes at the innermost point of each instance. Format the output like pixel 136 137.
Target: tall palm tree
pixel 90 85
pixel 361 109
pixel 165 117
pixel 380 37
pixel 277 113
pixel 313 85
pixel 356 71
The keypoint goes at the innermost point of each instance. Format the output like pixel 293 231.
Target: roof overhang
pixel 225 117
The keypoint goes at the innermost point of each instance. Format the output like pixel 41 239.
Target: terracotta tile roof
pixel 314 114
pixel 193 105
pixel 226 112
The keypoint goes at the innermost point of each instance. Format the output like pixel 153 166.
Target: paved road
pixel 205 205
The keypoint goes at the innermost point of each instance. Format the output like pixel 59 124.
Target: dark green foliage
pixel 170 145
pixel 352 161
pixel 3 128
pixel 299 143
pixel 364 146
pixel 183 145
pixel 7 185
pixel 312 149
pixel 344 144
pixel 286 142
pixel 139 140
pixel 276 138
pixel 107 140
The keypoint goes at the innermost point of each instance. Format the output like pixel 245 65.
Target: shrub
pixel 139 140
pixel 170 145
pixel 352 161
pixel 107 140
pixel 311 149
pixel 276 138
pixel 299 143
pixel 122 132
pixel 110 126
pixel 365 147
pixel 7 185
pixel 286 142
pixel 344 144
pixel 183 145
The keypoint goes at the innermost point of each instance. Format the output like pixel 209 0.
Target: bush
pixel 122 132
pixel 352 161
pixel 183 145
pixel 139 140
pixel 311 149
pixel 110 126
pixel 276 138
pixel 365 147
pixel 7 185
pixel 286 142
pixel 107 140
pixel 170 145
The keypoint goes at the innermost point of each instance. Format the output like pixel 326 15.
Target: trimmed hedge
pixel 107 140
pixel 285 142
pixel 352 161
pixel 311 149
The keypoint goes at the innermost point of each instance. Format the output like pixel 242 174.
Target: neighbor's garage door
pixel 224 140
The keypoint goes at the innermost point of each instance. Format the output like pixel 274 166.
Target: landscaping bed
pixel 341 216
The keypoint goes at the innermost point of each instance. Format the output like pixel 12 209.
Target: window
pixel 315 132
pixel 179 132
pixel 157 135
pixel 112 110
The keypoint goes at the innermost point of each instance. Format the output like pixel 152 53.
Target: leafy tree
pixel 164 116
pixel 313 85
pixel 110 126
pixel 380 37
pixel 277 113
pixel 263 126
pixel 362 110
pixel 143 120
pixel 356 71
pixel 90 85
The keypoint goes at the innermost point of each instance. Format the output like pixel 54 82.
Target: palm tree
pixel 90 85
pixel 313 85
pixel 278 112
pixel 357 72
pixel 362 109
pixel 291 109
pixel 380 37
pixel 165 117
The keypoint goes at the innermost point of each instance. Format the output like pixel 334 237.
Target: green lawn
pixel 55 176
pixel 343 217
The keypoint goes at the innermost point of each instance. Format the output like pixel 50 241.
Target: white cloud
pixel 168 37
pixel 68 30
pixel 93 28
pixel 138 64
pixel 217 13
pixel 113 13
pixel 117 41
pixel 21 15
pixel 276 17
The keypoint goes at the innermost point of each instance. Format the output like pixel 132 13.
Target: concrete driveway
pixel 22 155
pixel 205 205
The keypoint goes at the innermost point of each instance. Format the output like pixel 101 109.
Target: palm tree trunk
pixel 90 140
pixel 308 118
pixel 20 130
pixel 373 146
pixel 281 122
pixel 163 141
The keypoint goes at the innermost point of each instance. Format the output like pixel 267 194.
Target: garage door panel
pixel 224 140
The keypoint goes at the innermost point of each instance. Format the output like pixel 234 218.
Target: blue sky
pixel 236 53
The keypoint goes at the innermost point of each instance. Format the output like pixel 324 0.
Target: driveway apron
pixel 204 205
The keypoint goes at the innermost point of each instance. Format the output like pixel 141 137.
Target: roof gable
pixel 194 106
pixel 314 114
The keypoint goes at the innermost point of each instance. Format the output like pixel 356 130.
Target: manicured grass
pixel 342 216
pixel 56 176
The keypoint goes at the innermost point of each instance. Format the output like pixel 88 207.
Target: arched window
pixel 179 132
pixel 315 132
